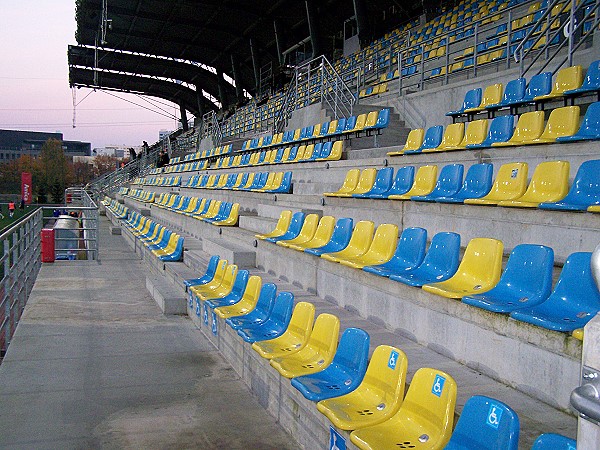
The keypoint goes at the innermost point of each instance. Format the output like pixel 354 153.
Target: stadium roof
pixel 173 48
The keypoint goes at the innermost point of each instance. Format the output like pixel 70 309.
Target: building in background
pixel 162 134
pixel 118 151
pixel 14 144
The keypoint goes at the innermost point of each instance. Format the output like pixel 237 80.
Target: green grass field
pixel 7 221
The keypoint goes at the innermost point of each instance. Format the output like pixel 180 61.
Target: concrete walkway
pixel 95 364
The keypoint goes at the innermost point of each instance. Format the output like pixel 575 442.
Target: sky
pixel 34 83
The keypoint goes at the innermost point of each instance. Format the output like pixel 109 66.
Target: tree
pixel 82 172
pixel 104 164
pixel 53 171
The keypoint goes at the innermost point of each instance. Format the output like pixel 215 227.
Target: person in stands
pixel 11 209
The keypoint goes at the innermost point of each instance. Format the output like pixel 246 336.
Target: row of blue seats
pixel 161 241
pixel 355 394
pixel 269 182
pixel 523 290
pixel 548 188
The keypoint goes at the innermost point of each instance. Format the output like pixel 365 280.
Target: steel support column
pixel 313 27
pixel 235 70
pixel 362 23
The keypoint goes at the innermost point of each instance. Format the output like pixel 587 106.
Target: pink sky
pixel 34 82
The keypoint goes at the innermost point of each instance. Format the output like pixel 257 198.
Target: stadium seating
pixel 552 441
pixel 246 304
pixel 526 281
pixel 293 229
pixel 345 372
pixel 530 127
pixel 491 96
pixel 380 251
pixel 295 336
pixel 501 130
pixel 321 236
pixel 261 311
pixel 424 183
pixel 402 183
pixel 584 192
pixel 432 139
pixel 413 141
pixel 426 413
pixel 307 232
pixel 591 81
pixel 449 183
pixel 567 79
pixel 479 270
pixel 377 398
pixel 409 253
pixel 359 243
pixel 513 95
pixel 485 423
pixel 472 101
pixel 318 352
pixel 590 126
pixel 382 184
pixel 340 238
pixel 349 184
pixel 562 122
pixel 477 183
pixel 234 295
pixel 280 228
pixel 275 324
pixel 510 183
pixel 574 301
pixel 453 136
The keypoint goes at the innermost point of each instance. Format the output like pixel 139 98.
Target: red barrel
pixel 69 198
pixel 48 245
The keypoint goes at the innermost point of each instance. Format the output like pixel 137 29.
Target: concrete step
pixel 166 296
pixel 258 225
pixel 233 253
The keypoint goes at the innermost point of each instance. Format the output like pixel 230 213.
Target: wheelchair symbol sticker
pixel 336 440
pixel 393 360
pixel 198 307
pixel 205 314
pixel 494 415
pixel 438 385
pixel 514 173
pixel 214 323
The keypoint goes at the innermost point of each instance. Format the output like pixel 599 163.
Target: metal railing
pixel 212 128
pixel 86 210
pixel 20 264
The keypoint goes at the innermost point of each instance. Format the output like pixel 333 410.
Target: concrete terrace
pixel 95 363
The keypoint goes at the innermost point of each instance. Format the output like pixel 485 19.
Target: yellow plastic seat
pixel 213 210
pixel 318 352
pixel 361 119
pixel 479 270
pixel 359 244
pixel 578 334
pixel 365 183
pixel 425 180
pixel 475 133
pixel 594 209
pixel 491 95
pixel 380 251
pixel 332 126
pixel 223 289
pixel 336 152
pixel 307 232
pixel 549 183
pixel 566 79
pixel 321 236
pixel 453 136
pixel 562 122
pixel 215 282
pixel 510 184
pixel 231 220
pixel 348 185
pixel 170 248
pixel 246 304
pixel 281 227
pixel 413 141
pixel 371 119
pixel 529 127
pixel 424 421
pixel 377 398
pixel 295 336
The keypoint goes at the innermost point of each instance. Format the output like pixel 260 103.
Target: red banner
pixel 26 189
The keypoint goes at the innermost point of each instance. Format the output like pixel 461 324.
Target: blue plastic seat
pixel 513 94
pixel 237 291
pixel 340 238
pixel 345 372
pixel 472 100
pixel 584 192
pixel 409 253
pixel 552 441
pixel 401 184
pixel 383 119
pixel 449 183
pixel 211 268
pixel 264 306
pixel 439 264
pixel 350 124
pixel 382 184
pixel 432 139
pixel 540 84
pixel 485 423
pixel 501 130
pixel 275 325
pixel 526 281
pixel 293 230
pixel 477 183
pixel 286 184
pixel 590 126
pixel 574 301
pixel 591 82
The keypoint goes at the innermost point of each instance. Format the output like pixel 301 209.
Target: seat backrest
pixel 241 280
pixel 385 240
pixel 591 121
pixel 353 351
pixel 360 122
pixel 351 180
pixel 492 94
pixel 425 178
pixel 450 180
pixel 324 336
pixel 350 123
pixel 324 128
pixel 540 84
pixel 309 226
pixel 411 245
pixel 587 182
pixel 511 180
pixel 282 310
pixel 371 119
pixel 431 399
pixel 332 126
pixel 486 423
pixel 325 229
pixel 482 261
pixel 592 76
pixel 530 126
pixel 384 179
pixel 475 133
pixel 576 286
pixel 568 78
pixel 549 179
pixel 383 118
pixel 453 135
pixel 551 441
pixel 478 180
pixel 302 319
pixel 342 232
pixel 501 129
pixel 296 223
pixel 414 139
pixel 404 179
pixel 433 137
pixel 362 235
pixel 529 270
pixel 265 302
pixel 562 122
pixel 366 180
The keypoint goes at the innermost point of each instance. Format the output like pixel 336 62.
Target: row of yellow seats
pixel 141 195
pixel 216 212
